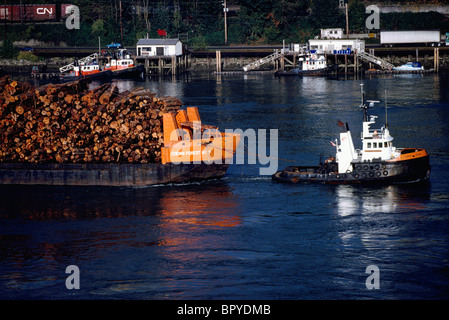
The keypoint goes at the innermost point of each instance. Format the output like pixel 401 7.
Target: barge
pixel 36 146
pixel 377 162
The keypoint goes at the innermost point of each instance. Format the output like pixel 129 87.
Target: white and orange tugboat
pixel 377 162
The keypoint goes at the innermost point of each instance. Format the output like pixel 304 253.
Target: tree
pixel 8 51
pixel 357 16
pixel 326 14
pixel 98 29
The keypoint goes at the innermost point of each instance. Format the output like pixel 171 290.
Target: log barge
pixel 377 162
pixel 66 134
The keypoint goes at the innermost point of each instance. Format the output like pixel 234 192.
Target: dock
pixel 226 59
pixel 164 65
pixel 371 72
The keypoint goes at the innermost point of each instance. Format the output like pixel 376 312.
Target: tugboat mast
pixel 386 115
pixel 363 105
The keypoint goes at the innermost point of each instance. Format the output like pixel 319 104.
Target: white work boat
pixel 377 162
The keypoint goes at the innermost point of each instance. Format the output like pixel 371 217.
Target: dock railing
pixel 373 59
pixel 256 64
pixel 81 61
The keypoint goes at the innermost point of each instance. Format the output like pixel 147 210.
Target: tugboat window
pixel 374 144
pixel 369 145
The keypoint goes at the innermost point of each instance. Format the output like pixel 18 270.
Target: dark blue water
pixel 245 236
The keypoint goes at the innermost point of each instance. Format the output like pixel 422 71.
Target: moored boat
pixel 377 162
pixel 120 65
pixel 410 66
pixel 312 63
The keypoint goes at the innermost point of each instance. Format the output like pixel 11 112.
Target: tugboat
pixel 312 63
pixel 378 161
pixel 119 65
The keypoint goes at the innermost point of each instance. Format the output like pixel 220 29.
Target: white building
pixel 159 47
pixel 333 33
pixel 335 45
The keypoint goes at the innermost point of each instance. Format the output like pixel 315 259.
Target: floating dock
pixel 369 72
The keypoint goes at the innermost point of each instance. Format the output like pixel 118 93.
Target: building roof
pixel 157 42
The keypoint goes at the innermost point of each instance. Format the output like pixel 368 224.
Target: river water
pixel 245 236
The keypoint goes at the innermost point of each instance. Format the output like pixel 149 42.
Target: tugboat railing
pixel 81 61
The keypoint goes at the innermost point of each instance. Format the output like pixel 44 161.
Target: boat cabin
pixel 119 64
pixel 120 61
pixel 85 70
pixel 377 143
pixel 313 60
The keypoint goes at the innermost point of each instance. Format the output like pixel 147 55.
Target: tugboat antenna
pixel 386 114
pixel 362 105
pixel 363 95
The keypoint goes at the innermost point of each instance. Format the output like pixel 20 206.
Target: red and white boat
pixel 120 64
pixel 123 61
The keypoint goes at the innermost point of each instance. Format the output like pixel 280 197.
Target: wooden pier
pixel 164 65
pixel 383 60
pixel 372 71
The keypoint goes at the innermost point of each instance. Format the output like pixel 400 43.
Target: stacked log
pixel 68 123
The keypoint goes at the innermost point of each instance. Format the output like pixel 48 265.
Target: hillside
pixel 201 23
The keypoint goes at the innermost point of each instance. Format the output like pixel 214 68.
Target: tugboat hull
pixel 383 172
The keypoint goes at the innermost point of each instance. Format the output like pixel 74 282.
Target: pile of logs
pixel 68 123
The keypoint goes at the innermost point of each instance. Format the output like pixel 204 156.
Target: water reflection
pixel 81 203
pixel 385 199
pixel 381 218
pixel 44 229
pixel 205 208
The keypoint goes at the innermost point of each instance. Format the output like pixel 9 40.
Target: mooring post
pixel 218 60
pixel 346 63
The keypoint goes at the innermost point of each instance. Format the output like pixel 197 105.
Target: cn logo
pixel 44 10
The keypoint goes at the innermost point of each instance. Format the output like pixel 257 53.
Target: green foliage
pixel 357 16
pixel 216 38
pixel 26 55
pixel 199 43
pixel 413 21
pixel 326 14
pixel 7 50
pixel 98 29
pixel 257 21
